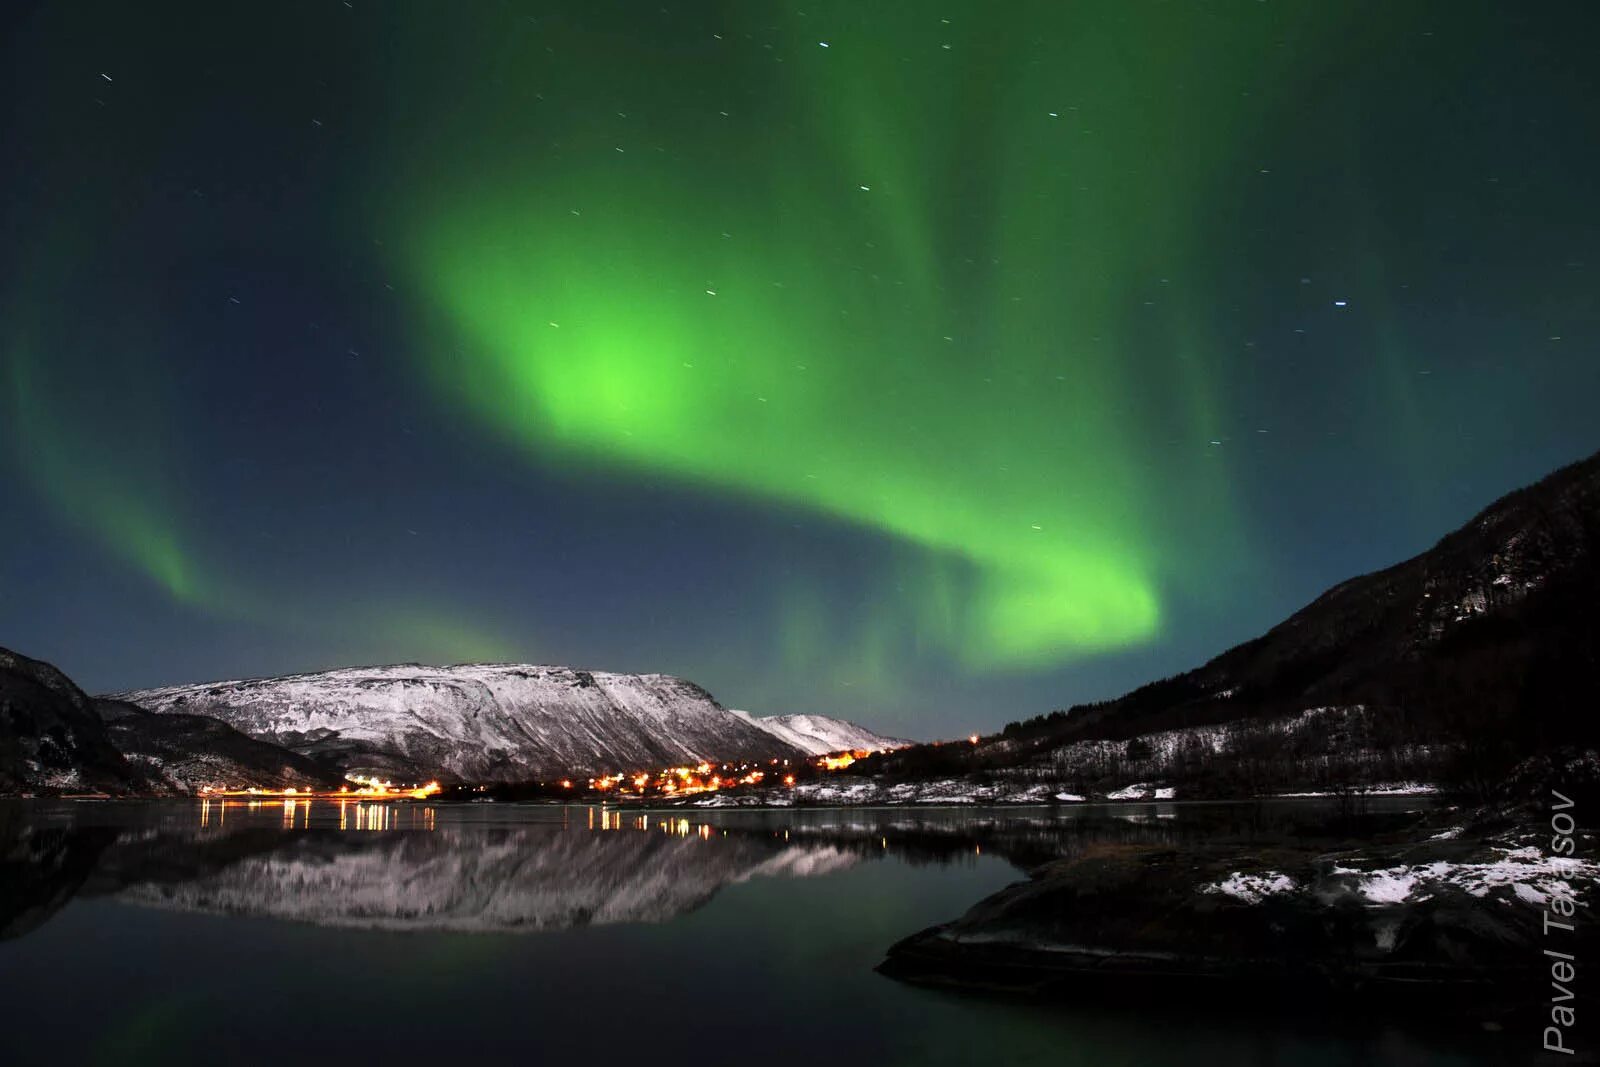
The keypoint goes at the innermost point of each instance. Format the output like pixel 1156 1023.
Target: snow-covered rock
pixel 1251 888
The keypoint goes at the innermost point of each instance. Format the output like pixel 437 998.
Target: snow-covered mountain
pixel 482 722
pixel 817 735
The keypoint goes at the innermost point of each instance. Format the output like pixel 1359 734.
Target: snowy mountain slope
pixel 817 735
pixel 479 722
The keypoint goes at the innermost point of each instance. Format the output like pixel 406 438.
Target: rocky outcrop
pixel 1453 920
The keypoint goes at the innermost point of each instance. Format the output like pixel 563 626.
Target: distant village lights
pixel 366 789
pixel 703 777
pixel 706 777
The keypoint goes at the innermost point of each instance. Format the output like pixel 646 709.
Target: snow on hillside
pixel 479 722
pixel 818 735
pixel 1319 746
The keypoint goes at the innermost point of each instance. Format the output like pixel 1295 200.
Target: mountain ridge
pixel 1471 657
pixel 502 722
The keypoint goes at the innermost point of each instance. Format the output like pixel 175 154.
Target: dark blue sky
pixel 1318 286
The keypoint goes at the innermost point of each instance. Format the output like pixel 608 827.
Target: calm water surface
pixel 314 932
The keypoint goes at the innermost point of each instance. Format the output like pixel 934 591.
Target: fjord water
pixel 317 932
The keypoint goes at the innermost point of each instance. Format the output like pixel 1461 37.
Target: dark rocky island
pixel 1414 917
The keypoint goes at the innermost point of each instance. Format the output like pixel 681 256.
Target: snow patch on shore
pixel 1528 875
pixel 1252 888
pixel 1386 789
pixel 1388 887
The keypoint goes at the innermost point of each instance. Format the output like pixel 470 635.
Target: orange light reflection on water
pixel 295 813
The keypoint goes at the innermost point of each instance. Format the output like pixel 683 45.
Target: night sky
pixel 930 364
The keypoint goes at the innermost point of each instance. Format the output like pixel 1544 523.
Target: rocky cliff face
pixel 482 722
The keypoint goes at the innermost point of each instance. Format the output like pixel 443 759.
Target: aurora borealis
pixel 925 364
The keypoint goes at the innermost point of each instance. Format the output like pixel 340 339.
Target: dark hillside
pixel 1483 650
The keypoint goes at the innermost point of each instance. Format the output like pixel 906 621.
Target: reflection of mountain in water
pixel 528 869
pixel 41 868
pixel 503 880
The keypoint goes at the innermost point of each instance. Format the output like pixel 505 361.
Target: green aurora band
pixel 92 486
pixel 989 356
pixel 895 285
pixel 95 448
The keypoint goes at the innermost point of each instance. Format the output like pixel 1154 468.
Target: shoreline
pixel 809 804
